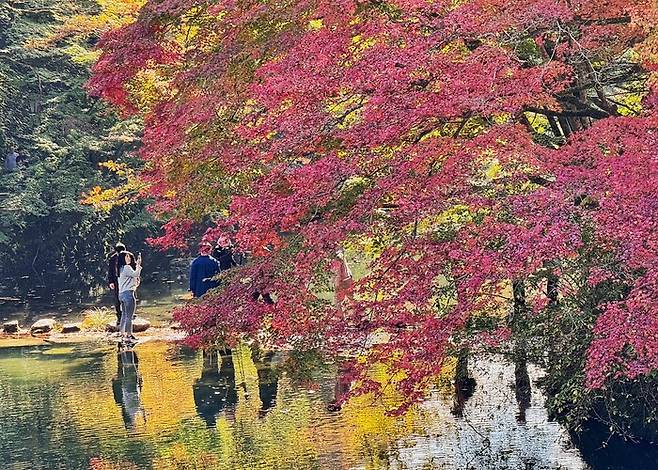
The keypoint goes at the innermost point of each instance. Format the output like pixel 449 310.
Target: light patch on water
pixel 165 407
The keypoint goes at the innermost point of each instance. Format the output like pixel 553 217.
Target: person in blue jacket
pixel 202 270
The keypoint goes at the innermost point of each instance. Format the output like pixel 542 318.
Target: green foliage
pixel 559 338
pixel 62 135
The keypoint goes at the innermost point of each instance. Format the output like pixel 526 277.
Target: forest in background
pixel 48 237
pixel 317 128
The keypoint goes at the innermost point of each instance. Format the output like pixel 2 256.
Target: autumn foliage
pixel 456 146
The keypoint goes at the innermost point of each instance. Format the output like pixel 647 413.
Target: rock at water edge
pixel 111 328
pixel 10 326
pixel 71 328
pixel 140 325
pixel 43 326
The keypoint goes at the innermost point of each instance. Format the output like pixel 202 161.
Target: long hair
pixel 122 260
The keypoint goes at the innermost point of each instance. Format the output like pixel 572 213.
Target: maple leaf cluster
pixel 453 147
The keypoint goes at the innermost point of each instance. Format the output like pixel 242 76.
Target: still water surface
pixel 161 406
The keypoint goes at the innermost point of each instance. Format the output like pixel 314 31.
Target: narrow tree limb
pixel 588 112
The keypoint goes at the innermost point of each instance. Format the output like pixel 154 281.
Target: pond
pixel 160 405
pixel 155 301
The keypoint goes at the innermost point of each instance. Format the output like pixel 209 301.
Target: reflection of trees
pixel 296 431
pixel 464 383
pixel 367 430
pixel 127 387
pixel 164 397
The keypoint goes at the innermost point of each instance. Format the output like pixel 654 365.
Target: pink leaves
pixel 127 51
pixel 626 342
pixel 315 125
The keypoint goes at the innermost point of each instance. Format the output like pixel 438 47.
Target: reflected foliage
pixel 155 407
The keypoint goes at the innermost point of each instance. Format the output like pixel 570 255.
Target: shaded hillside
pixel 47 237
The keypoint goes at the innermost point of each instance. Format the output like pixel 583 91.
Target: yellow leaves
pixel 455 48
pixel 370 247
pixel 502 118
pixel 629 104
pixel 113 14
pixel 148 87
pixel 360 44
pixel 457 214
pixel 346 109
pixel 315 25
pixel 105 200
pixel 538 122
pixel 493 170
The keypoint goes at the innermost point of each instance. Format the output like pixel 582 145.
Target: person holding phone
pixel 129 272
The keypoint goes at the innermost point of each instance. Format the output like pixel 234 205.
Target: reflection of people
pixel 127 387
pixel 341 387
pixel 215 390
pixel 113 277
pixel 129 271
pixel 202 270
pixel 268 381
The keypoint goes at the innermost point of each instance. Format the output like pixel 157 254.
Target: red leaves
pixel 402 127
pixel 127 51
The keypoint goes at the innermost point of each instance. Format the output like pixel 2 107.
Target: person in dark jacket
pixel 113 277
pixel 202 270
pixel 225 256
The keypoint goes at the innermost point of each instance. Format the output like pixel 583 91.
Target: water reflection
pixel 178 409
pixel 464 384
pixel 268 380
pixel 127 388
pixel 522 387
pixel 215 390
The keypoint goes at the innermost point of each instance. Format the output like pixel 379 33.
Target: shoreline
pixel 26 339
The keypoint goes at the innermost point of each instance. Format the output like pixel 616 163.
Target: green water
pixel 155 302
pixel 91 406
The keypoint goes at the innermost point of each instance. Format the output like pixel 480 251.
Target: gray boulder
pixel 10 326
pixel 43 326
pixel 140 325
pixel 71 328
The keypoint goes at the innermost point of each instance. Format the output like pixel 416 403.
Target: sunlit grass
pixel 96 319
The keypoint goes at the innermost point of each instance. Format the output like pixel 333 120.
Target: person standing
pixel 224 255
pixel 113 277
pixel 343 280
pixel 11 160
pixel 203 269
pixel 129 272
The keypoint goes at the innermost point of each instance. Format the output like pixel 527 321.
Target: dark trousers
pixel 117 302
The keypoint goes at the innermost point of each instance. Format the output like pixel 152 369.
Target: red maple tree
pixel 466 144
